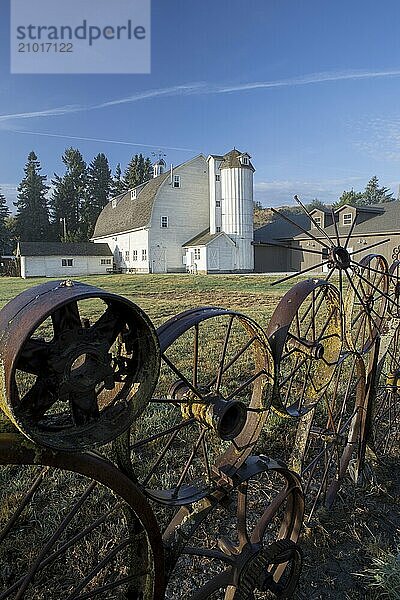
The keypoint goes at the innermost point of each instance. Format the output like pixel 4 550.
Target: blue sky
pixel 309 88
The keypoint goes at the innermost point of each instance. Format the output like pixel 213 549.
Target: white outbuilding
pixel 56 259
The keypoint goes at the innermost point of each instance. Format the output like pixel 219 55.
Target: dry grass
pixel 342 552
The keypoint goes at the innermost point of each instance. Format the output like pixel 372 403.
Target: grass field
pixel 363 528
pixel 163 296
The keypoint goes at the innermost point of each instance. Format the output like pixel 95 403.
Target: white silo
pixel 237 205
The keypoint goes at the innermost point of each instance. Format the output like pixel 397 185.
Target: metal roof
pixel 205 237
pixel 63 249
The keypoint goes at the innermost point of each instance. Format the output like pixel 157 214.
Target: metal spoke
pixel 64 523
pixel 350 232
pixel 297 199
pixel 369 247
pixel 189 462
pixel 223 354
pixel 298 273
pixel 307 233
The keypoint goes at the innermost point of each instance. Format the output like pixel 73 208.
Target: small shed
pixel 58 259
pixel 208 253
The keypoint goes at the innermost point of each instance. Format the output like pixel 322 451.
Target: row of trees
pixel 373 194
pixel 69 212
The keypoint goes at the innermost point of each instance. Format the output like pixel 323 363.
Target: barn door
pixel 213 256
pixel 159 260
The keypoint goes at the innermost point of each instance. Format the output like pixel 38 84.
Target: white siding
pixel 237 214
pixel 51 266
pixel 128 242
pixel 220 255
pixel 215 193
pixel 187 209
pixel 196 265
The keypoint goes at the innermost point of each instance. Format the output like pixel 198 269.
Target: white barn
pixel 56 259
pixel 198 216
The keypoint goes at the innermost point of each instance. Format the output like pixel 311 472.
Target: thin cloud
pixel 101 140
pixel 281 192
pixel 51 112
pixel 203 88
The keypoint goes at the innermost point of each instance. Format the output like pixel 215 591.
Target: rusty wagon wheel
pixel 366 303
pixel 328 438
pixel 394 289
pixel 78 364
pixel 305 337
pixel 246 544
pixel 385 414
pixel 74 527
pixel 363 283
pixel 209 406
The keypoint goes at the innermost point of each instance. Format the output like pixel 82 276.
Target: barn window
pixel 67 262
pixel 347 219
pixel 318 221
pixel 133 195
pixel 196 254
pixel 164 222
pixel 177 181
pixel 218 229
pixel 144 254
pixel 218 203
pixel 134 254
pixel 105 261
pixel 127 255
pixel 114 203
pixel 218 178
pixel 244 160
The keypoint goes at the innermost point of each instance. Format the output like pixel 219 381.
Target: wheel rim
pixel 250 547
pixel 73 526
pixel 386 406
pixel 305 337
pixel 328 437
pixel 366 303
pixel 216 377
pixel 78 364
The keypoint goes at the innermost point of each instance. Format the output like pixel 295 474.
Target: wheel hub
pixel 340 257
pixel 226 417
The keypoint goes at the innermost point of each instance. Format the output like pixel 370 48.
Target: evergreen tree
pixel 118 186
pixel 99 182
pixel 315 204
pixel 350 197
pixel 138 171
pixel 373 194
pixel 11 228
pixel 32 208
pixel 4 232
pixel 69 196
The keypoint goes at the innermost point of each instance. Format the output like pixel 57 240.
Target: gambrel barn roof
pixel 129 214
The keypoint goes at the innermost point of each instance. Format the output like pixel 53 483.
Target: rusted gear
pixel 244 539
pixel 329 437
pixel 96 535
pixel 305 337
pixel 366 303
pixel 68 382
pixel 209 406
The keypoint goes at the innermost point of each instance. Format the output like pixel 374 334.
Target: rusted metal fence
pixel 133 459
